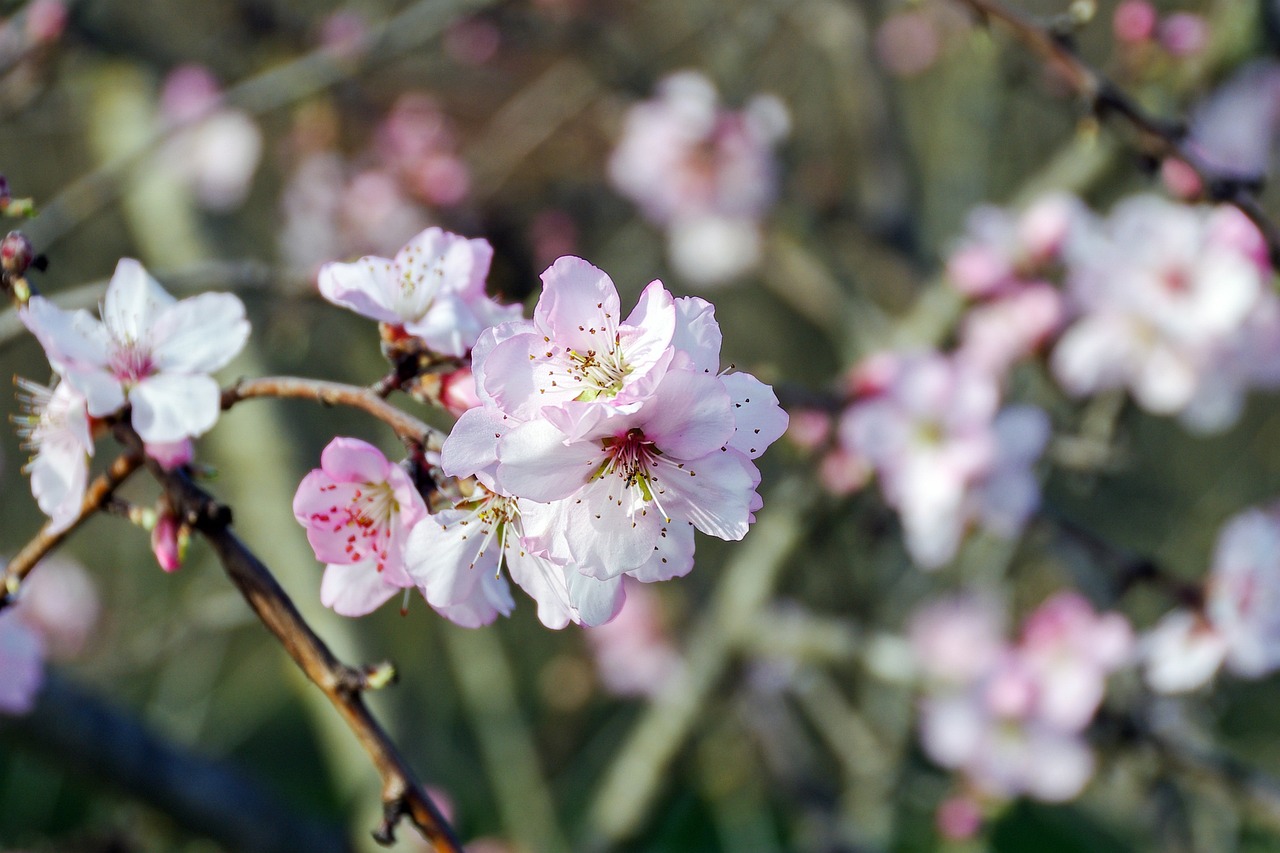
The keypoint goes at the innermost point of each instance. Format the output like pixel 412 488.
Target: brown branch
pixel 402 794
pixel 1156 138
pixel 95 497
pixel 416 435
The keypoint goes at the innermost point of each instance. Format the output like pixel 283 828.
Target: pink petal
pixel 350 460
pixel 354 590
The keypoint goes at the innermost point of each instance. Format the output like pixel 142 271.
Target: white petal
pixel 200 334
pixel 535 463
pixel 714 492
pixel 354 590
pixel 134 300
pixel 171 407
pixel 759 420
pixel 363 287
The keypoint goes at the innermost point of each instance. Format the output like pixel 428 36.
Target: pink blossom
pixel 1010 718
pixel 149 350
pixel 169 540
pixel 358 510
pixel 908 42
pixel 1164 298
pixel 1234 128
pixel 958 818
pixel 1184 33
pixel 1002 251
pixel 633 654
pixel 577 353
pixel 56 427
pixel 60 602
pixel 214 150
pixel 1243 592
pixel 999 332
pixel 704 173
pixel 1134 21
pixel 929 437
pixel 433 288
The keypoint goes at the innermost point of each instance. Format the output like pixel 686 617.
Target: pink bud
pixel 458 392
pixel 171 454
pixel 1134 21
pixel 169 542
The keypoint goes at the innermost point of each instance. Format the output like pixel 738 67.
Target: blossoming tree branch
pixel 1001 651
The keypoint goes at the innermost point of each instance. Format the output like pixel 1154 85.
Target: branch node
pixel 392 812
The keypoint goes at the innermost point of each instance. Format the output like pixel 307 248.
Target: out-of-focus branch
pixel 414 433
pixel 204 795
pixel 98 493
pixel 402 794
pixel 1155 137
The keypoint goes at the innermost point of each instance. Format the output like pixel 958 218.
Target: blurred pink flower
pixel 1182 652
pixel 60 602
pixel 21 664
pixel 1184 33
pixel 908 42
pixel 633 654
pixel 1134 21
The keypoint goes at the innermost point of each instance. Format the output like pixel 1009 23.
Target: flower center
pixel 603 374
pixel 367 520
pixel 631 457
pixel 131 362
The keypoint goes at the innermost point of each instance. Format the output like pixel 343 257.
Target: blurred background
pixel 766 701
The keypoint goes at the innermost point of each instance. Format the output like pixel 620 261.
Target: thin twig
pixel 98 493
pixel 1156 138
pixel 402 794
pixel 414 433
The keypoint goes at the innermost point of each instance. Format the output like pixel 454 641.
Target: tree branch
pixel 402 794
pixel 98 493
pixel 416 435
pixel 1156 138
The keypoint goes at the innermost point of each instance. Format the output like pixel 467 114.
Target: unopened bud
pixel 16 253
pixel 169 541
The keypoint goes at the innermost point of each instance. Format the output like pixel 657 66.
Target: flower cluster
pixel 1239 624
pixel 590 447
pixel 150 354
pixel 704 173
pixel 1010 716
pixel 602 443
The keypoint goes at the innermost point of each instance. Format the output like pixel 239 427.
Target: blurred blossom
pixel 45 20
pixel 1167 296
pixel 214 151
pixel 1182 652
pixel 809 429
pixel 956 640
pixel 1234 128
pixel 1242 598
pixel 705 173
pixel 1134 21
pixel 932 438
pixel 958 818
pixel 21 663
pixel 1002 252
pixel 1011 719
pixel 60 602
pixel 842 472
pixel 1183 33
pixel 908 42
pixel 1000 332
pixel 633 654
pixel 56 610
pixel 1180 179
pixel 416 143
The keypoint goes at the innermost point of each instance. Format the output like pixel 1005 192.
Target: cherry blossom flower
pixel 358 509
pixel 1183 652
pixel 576 354
pixel 1166 294
pixel 1010 720
pixel 1242 599
pixel 214 149
pixel 149 350
pixel 433 289
pixel 56 428
pixel 695 168
pixel 60 602
pixel 633 653
pixel 928 427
